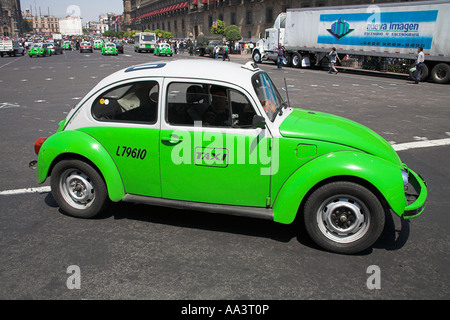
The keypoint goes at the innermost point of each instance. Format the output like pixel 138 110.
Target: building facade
pixel 45 24
pixel 189 18
pixel 10 18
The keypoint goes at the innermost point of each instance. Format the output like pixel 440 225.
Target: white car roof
pixel 186 68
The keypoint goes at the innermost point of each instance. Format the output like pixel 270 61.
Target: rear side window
pixel 134 102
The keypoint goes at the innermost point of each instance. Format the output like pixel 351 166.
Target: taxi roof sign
pixel 252 66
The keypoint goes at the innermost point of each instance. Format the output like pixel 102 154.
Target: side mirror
pixel 258 122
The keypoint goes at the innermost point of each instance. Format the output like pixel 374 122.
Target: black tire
pixel 287 61
pixel 296 60
pixel 256 56
pixel 441 73
pixel 423 76
pixel 344 217
pixel 78 189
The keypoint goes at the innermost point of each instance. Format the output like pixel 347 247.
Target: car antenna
pixel 287 95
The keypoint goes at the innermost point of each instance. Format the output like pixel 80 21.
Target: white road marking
pixel 421 144
pixel 397 147
pixel 25 190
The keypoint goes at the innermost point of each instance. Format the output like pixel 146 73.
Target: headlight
pixel 405 179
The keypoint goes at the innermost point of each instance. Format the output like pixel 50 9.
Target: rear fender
pixel 79 144
pixel 381 174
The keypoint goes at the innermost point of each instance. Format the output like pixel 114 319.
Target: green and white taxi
pixel 110 49
pixel 67 45
pixel 39 49
pixel 208 136
pixel 163 49
pixel 98 44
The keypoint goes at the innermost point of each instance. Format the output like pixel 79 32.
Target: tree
pixel 110 33
pixel 220 29
pixel 232 33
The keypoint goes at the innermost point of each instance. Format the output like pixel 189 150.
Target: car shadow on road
pixel 393 237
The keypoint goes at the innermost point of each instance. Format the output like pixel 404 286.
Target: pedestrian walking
pixel 280 55
pixel 333 56
pixel 419 64
pixel 216 52
pixel 226 50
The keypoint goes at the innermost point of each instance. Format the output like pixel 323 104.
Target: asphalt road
pixel 144 252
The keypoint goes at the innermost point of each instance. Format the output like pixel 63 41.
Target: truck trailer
pixel 383 31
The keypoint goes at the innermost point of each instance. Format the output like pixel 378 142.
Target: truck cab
pixel 265 48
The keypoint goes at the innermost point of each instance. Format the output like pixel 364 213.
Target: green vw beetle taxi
pixel 203 135
pixel 98 44
pixel 39 49
pixel 163 49
pixel 67 45
pixel 110 49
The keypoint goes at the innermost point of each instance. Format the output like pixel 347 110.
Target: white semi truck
pixel 390 30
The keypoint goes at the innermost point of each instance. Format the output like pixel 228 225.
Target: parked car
pixel 208 136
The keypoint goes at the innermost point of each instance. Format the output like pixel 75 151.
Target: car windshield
pixel 112 45
pixel 267 94
pixel 85 44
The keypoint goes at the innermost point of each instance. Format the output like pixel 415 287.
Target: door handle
pixel 172 139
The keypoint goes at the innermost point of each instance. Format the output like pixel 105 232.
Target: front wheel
pixel 257 56
pixel 344 217
pixel 78 188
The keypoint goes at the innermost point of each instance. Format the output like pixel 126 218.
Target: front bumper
pixel 416 198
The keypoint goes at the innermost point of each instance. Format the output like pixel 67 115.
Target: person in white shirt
pixel 419 64
pixel 333 56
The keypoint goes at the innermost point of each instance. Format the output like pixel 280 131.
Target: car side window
pixel 133 102
pixel 210 105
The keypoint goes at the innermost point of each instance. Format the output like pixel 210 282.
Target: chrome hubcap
pixel 77 189
pixel 343 219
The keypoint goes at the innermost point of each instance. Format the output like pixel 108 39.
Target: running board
pixel 252 212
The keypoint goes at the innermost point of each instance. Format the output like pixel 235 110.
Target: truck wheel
pixel 423 76
pixel 344 217
pixel 296 60
pixel 441 73
pixel 256 56
pixel 287 60
pixel 78 189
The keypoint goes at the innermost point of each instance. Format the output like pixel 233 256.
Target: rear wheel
pixel 441 73
pixel 78 188
pixel 344 217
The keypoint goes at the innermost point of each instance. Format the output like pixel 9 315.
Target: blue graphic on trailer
pixel 410 29
pixel 340 29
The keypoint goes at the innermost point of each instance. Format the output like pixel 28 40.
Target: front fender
pixel 383 175
pixel 82 144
